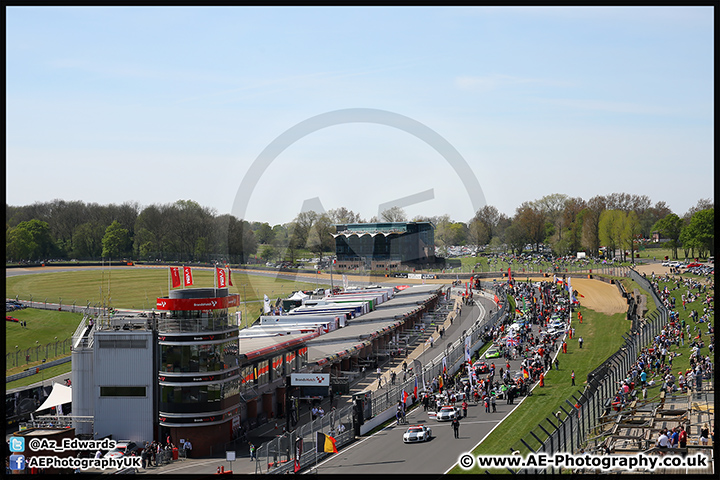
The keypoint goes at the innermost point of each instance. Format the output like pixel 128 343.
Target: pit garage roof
pixel 256 347
pixel 360 331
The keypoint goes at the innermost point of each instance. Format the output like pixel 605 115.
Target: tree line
pixel 184 231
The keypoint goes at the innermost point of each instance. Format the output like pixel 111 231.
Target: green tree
pixel 40 243
pixel 699 234
pixel 116 241
pixel 631 232
pixel 515 237
pixel 531 220
pixel 320 237
pixel 458 233
pixel 267 252
pixel 670 227
pixel 19 244
pixel 264 233
pixel 87 240
pixel 610 229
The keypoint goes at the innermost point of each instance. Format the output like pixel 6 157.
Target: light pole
pixel 245 305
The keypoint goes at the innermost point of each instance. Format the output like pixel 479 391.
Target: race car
pixel 481 367
pixel 492 352
pixel 447 413
pixel 417 433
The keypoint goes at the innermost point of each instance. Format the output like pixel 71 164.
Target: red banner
pixel 230 277
pixel 198 303
pixel 187 273
pixel 220 277
pixel 175 274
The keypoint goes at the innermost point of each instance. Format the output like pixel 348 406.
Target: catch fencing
pixel 579 417
pixel 39 353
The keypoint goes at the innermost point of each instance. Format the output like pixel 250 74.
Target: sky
pixel 266 112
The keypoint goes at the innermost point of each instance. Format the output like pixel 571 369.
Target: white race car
pixel 447 413
pixel 417 433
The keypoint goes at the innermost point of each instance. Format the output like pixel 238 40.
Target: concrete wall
pixel 124 417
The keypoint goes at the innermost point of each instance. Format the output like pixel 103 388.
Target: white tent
pixel 299 295
pixel 60 395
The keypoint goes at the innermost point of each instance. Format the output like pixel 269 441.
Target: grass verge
pixel 602 335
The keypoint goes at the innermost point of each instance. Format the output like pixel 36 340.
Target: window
pixel 123 391
pixel 124 343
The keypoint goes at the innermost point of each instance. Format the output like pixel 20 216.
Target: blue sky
pixel 154 105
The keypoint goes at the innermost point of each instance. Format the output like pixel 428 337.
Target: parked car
pixel 123 449
pixel 417 433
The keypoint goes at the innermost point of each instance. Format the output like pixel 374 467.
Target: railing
pixel 578 418
pixel 180 325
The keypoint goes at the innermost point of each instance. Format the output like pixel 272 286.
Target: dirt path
pixel 598 295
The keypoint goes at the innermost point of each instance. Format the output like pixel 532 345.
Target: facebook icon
pixel 17 462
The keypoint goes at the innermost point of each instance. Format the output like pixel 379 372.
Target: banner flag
pixel 187 275
pixel 298 453
pixel 229 277
pixel 266 304
pixel 220 277
pixel 175 275
pixel 325 443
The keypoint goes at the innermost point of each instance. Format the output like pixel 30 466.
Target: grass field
pixel 602 335
pixel 134 288
pixel 65 368
pixel 43 326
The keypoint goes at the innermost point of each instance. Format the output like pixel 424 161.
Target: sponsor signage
pixel 198 303
pixel 310 379
pixel 163 377
pixel 197 338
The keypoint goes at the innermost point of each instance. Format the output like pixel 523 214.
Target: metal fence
pixel 278 456
pixel 38 353
pixel 579 417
